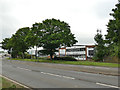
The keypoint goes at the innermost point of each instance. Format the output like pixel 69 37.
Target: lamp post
pixel 36 25
pixel 11 52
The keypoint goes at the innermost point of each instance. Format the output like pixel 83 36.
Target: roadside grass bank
pixel 88 63
pixel 6 84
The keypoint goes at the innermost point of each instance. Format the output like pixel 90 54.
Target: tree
pixel 34 37
pixel 19 45
pixel 113 32
pixel 100 49
pixel 6 45
pixel 56 33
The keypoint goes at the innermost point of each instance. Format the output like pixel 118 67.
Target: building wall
pixel 80 52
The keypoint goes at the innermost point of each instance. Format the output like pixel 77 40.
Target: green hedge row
pixel 65 58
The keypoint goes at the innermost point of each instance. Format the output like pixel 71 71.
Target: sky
pixel 83 16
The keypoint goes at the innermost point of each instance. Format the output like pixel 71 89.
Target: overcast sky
pixel 84 16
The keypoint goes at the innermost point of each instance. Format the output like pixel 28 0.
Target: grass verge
pixel 4 83
pixel 88 63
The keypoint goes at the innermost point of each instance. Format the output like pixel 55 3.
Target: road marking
pixel 107 85
pixel 43 72
pixel 14 81
pixel 68 77
pixel 24 68
pixel 51 74
pixel 57 75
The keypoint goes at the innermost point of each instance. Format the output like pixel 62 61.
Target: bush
pixel 27 56
pixel 96 59
pixel 43 58
pixel 111 59
pixel 65 58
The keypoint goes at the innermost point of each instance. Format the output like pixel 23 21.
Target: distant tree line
pixel 111 45
pixel 50 34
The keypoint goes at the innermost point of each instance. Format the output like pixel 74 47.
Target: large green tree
pixel 100 48
pixel 113 32
pixel 19 45
pixel 56 33
pixel 6 45
pixel 34 36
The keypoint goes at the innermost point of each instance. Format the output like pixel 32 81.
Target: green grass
pixel 4 83
pixel 88 63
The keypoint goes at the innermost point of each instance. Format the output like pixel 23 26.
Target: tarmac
pixel 79 68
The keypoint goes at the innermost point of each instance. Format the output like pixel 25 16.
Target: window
pixel 75 49
pixel 91 52
pixel 82 49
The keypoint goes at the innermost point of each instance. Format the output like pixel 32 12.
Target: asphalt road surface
pixel 43 76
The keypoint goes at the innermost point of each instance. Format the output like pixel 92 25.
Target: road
pixel 44 76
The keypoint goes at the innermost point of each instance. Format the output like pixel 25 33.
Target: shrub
pixel 43 58
pixel 96 59
pixel 65 58
pixel 27 56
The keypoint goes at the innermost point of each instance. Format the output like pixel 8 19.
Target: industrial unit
pixel 80 52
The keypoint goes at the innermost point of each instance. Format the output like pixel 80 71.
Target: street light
pixel 36 25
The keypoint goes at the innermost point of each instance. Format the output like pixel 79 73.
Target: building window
pixel 75 49
pixel 91 52
pixel 82 49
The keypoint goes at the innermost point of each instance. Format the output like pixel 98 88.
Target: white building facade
pixel 80 52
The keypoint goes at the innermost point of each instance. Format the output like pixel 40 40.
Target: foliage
pixel 6 45
pixel 18 41
pixel 1 51
pixel 56 33
pixel 27 56
pixel 34 37
pixel 89 63
pixel 50 34
pixel 16 45
pixel 100 48
pixel 65 58
pixel 113 32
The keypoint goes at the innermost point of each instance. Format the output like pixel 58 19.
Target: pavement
pixel 47 75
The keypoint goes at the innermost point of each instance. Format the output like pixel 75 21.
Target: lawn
pixel 88 63
pixel 4 83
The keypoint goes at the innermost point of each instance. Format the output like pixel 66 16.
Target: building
pixel 80 52
pixel 32 52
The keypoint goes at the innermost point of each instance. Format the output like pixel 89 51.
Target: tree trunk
pixel 36 52
pixel 23 55
pixel 51 56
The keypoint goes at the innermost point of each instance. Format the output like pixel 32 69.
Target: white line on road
pixel 14 81
pixel 107 85
pixel 68 77
pixel 51 74
pixel 57 75
pixel 24 68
